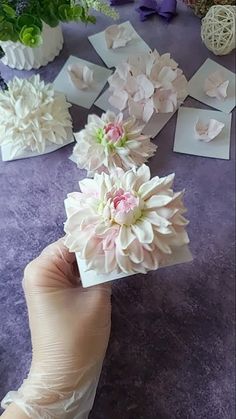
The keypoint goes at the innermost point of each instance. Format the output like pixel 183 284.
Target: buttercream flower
pixel 117 36
pixel 147 83
pixel 216 85
pixel 80 75
pixel 125 221
pixel 110 141
pixel 32 115
pixel 207 131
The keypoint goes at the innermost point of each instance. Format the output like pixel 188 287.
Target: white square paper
pixel 156 123
pixel 185 141
pixel 153 126
pixel 90 278
pixel 113 57
pixel 50 147
pixel 103 103
pixel 84 98
pixel 196 86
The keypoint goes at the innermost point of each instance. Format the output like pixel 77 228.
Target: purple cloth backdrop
pixel 171 349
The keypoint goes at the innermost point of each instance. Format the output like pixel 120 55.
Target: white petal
pixel 125 237
pixel 150 261
pixel 129 180
pixel 123 261
pixel 157 201
pixel 88 186
pixel 162 245
pixel 155 185
pixel 156 219
pixel 110 261
pixel 143 231
pixel 135 251
pixel 143 173
pixel 119 100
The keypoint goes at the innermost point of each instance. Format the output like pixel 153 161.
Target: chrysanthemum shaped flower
pixel 32 115
pixel 147 83
pixel 110 141
pixel 125 221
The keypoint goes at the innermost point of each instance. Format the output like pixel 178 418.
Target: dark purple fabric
pixel 171 350
pixel 165 9
pixel 120 2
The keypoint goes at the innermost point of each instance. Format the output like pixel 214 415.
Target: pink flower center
pixel 114 131
pixel 124 201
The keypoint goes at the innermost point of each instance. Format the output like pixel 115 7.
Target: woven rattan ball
pixel 218 29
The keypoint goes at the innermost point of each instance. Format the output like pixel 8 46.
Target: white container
pixel 22 57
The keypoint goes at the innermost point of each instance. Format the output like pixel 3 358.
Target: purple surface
pixel 171 349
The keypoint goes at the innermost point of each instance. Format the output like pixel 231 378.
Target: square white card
pixel 6 149
pixel 196 86
pixel 84 98
pixel 90 278
pixel 185 141
pixel 113 57
pixel 153 126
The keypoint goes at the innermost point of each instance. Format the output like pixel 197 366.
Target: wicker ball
pixel 218 29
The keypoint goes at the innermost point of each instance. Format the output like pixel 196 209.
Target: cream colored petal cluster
pixel 32 115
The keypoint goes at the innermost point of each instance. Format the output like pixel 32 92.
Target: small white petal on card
pixel 118 36
pixel 113 56
pixel 94 76
pixel 207 131
pixel 80 76
pixel 206 91
pixel 216 85
pixel 185 134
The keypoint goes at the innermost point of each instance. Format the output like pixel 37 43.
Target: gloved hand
pixel 70 328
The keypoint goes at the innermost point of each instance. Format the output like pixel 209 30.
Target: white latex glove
pixel 70 328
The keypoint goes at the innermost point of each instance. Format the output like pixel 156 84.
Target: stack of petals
pixel 146 84
pixel 32 115
pixel 125 221
pixel 110 141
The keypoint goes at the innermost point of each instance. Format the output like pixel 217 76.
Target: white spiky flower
pixel 32 115
pixel 110 141
pixel 125 221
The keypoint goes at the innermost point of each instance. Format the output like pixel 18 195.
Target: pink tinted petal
pixel 148 110
pixel 125 237
pixel 135 251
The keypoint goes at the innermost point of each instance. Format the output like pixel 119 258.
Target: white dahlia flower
pixel 32 115
pixel 125 221
pixel 109 141
pixel 147 83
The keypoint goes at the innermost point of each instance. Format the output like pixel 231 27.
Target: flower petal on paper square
pixel 81 76
pixel 136 109
pixel 207 131
pixel 117 36
pixel 216 85
pixel 215 127
pixel 146 86
pixel 148 110
pixel 119 100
